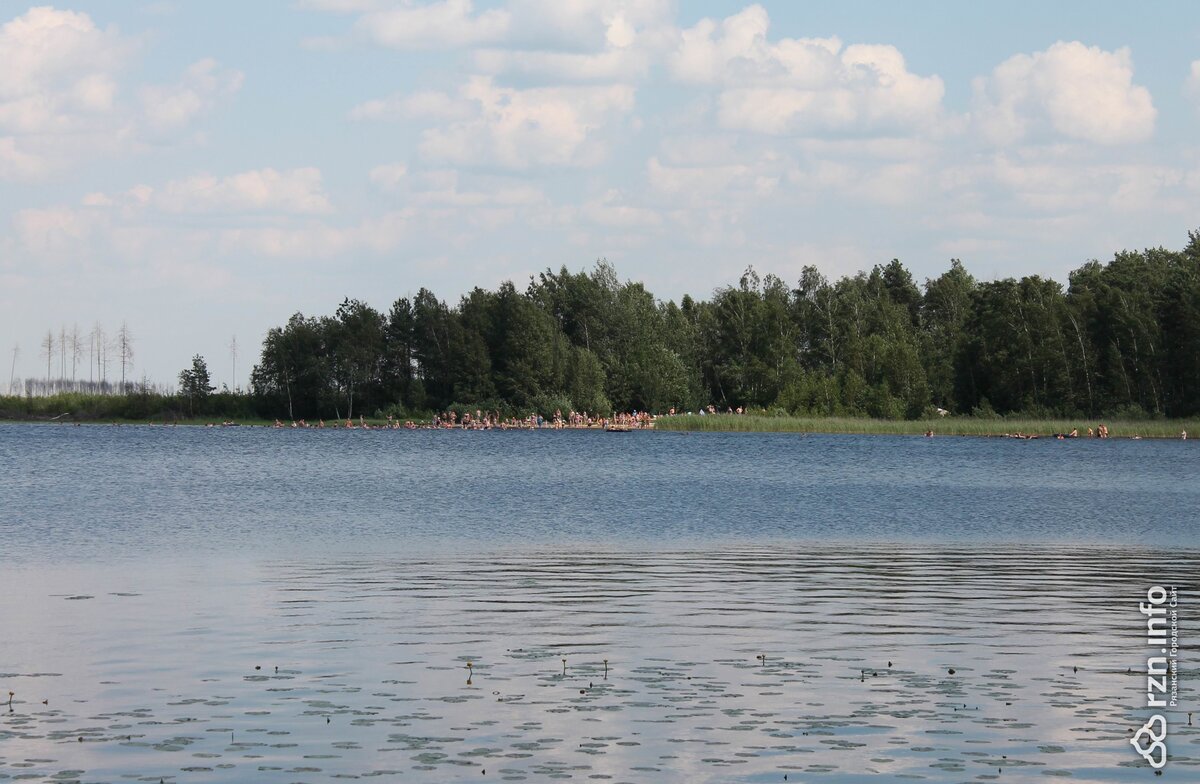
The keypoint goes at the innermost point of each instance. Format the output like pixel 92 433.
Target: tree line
pixel 79 363
pixel 1122 338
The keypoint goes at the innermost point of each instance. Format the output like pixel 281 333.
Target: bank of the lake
pixel 941 426
pixel 241 409
pixel 136 406
pixel 724 423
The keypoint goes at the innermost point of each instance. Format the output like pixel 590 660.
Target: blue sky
pixel 203 170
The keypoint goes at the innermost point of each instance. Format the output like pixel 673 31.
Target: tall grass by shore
pixel 942 426
pixel 132 407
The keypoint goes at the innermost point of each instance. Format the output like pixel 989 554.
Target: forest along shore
pixel 1119 341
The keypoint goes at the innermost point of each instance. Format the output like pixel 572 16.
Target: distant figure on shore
pixel 929 434
pixel 1074 433
pixel 1183 435
pixel 1102 431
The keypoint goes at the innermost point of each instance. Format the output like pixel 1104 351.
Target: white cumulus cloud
pixel 50 51
pixel 435 25
pixel 423 104
pixel 540 41
pixel 61 96
pixel 57 89
pixel 174 106
pixel 587 25
pixel 388 176
pixel 615 64
pixel 1076 91
pixel 259 190
pixel 519 128
pixel 695 180
pixel 55 232
pixel 314 239
pixel 585 40
pixel 16 164
pixel 802 85
pixel 442 187
pixel 262 212
pixel 612 210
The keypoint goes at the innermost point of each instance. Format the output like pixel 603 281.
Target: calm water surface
pixel 244 604
pixel 101 493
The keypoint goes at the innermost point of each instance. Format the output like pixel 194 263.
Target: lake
pixel 233 604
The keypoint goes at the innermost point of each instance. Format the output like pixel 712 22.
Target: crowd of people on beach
pixel 579 420
pixel 493 420
pixel 488 420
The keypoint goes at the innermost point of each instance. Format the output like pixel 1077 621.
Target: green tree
pixel 399 360
pixel 294 369
pixel 1179 314
pixel 357 342
pixel 945 311
pixel 195 385
pixel 585 382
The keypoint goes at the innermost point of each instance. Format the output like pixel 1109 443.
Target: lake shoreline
pixel 941 426
pixel 1026 429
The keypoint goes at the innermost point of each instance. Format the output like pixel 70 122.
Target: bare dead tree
pixel 62 351
pixel 48 350
pixel 95 338
pixel 76 351
pixel 125 350
pixel 100 342
pixel 233 354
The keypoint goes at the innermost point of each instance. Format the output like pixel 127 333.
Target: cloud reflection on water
pixel 378 645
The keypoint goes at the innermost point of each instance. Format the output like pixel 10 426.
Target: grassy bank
pixel 957 426
pixel 133 407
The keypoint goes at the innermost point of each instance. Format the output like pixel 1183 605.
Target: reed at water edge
pixel 941 426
